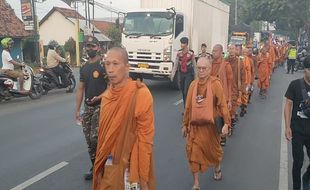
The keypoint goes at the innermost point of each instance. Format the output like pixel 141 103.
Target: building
pixel 12 27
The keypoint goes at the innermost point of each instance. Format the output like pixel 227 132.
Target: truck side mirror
pixel 179 25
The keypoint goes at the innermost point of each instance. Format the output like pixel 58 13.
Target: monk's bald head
pixel 120 52
pixel 204 67
pixel 217 51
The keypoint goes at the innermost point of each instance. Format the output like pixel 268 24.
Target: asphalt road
pixel 38 135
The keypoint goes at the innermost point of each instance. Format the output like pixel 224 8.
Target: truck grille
pixel 145 56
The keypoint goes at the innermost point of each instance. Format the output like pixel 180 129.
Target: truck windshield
pixel 148 24
pixel 237 40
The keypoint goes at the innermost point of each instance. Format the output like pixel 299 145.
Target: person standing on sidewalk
pixel 185 65
pixel 297 124
pixel 92 84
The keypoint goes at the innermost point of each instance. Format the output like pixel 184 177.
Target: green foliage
pixel 70 46
pixel 115 35
pixel 288 15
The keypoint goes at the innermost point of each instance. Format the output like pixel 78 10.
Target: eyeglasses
pixel 201 68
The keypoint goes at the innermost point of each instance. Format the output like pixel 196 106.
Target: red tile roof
pixel 68 13
pixel 10 25
pixel 102 25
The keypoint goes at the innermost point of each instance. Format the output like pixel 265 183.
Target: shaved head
pixel 218 46
pixel 121 51
pixel 204 67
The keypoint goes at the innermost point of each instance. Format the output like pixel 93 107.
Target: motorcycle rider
pixel 53 59
pixel 8 64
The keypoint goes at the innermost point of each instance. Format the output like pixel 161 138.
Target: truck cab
pixel 152 39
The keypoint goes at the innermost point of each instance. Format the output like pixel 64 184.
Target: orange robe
pixel 225 75
pixel 237 83
pixel 203 142
pixel 247 65
pixel 263 71
pixel 114 109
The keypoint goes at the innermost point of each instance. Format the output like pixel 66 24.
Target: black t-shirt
pixel 92 74
pixel 298 122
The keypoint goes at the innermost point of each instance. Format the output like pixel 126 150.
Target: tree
pixel 70 47
pixel 289 15
pixel 115 35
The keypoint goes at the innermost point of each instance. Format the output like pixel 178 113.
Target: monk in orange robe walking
pixel 222 69
pixel 237 82
pixel 247 65
pixel 263 71
pixel 126 130
pixel 205 102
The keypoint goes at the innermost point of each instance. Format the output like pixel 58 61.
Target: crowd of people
pixel 118 122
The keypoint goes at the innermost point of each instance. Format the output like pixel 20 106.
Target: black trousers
pixel 298 143
pixel 290 65
pixel 185 81
pixel 58 70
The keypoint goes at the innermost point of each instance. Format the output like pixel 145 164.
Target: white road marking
pixel 283 172
pixel 178 102
pixel 40 176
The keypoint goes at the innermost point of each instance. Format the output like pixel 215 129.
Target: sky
pixel 99 12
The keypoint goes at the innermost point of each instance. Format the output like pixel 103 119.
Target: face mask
pixel 92 53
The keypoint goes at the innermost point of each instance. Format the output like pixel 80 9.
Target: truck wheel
pixel 175 84
pixel 133 76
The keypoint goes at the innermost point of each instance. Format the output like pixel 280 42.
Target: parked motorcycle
pixel 51 81
pixel 9 86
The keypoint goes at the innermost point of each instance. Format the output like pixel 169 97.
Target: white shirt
pixel 6 58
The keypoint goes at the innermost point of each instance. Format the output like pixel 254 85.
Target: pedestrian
pixel 205 102
pixel 204 52
pixel 92 85
pixel 126 130
pixel 297 122
pixel 185 66
pixel 263 71
pixel 291 58
pixel 247 65
pixel 222 69
pixel 237 82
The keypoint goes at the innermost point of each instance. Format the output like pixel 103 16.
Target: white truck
pixel 152 34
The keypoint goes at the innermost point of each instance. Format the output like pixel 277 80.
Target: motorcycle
pixel 51 81
pixel 299 61
pixel 9 86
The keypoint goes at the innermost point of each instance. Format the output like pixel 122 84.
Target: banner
pixel 27 14
pixel 26 9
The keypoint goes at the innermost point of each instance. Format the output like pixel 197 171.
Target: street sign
pixel 27 14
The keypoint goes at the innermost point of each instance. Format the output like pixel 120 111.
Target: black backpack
pixel 305 104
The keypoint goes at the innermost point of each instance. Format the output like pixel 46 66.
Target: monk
pixel 205 102
pixel 237 82
pixel 253 71
pixel 222 70
pixel 263 71
pixel 126 130
pixel 247 65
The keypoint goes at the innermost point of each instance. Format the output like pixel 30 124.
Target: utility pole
pixel 236 12
pixel 77 42
pixel 36 35
pixel 111 8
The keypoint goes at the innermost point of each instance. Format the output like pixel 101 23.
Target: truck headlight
pixel 167 53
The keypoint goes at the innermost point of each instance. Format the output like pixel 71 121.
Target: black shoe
pixel 89 175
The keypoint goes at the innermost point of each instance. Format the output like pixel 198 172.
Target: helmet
pixel 53 44
pixel 5 42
